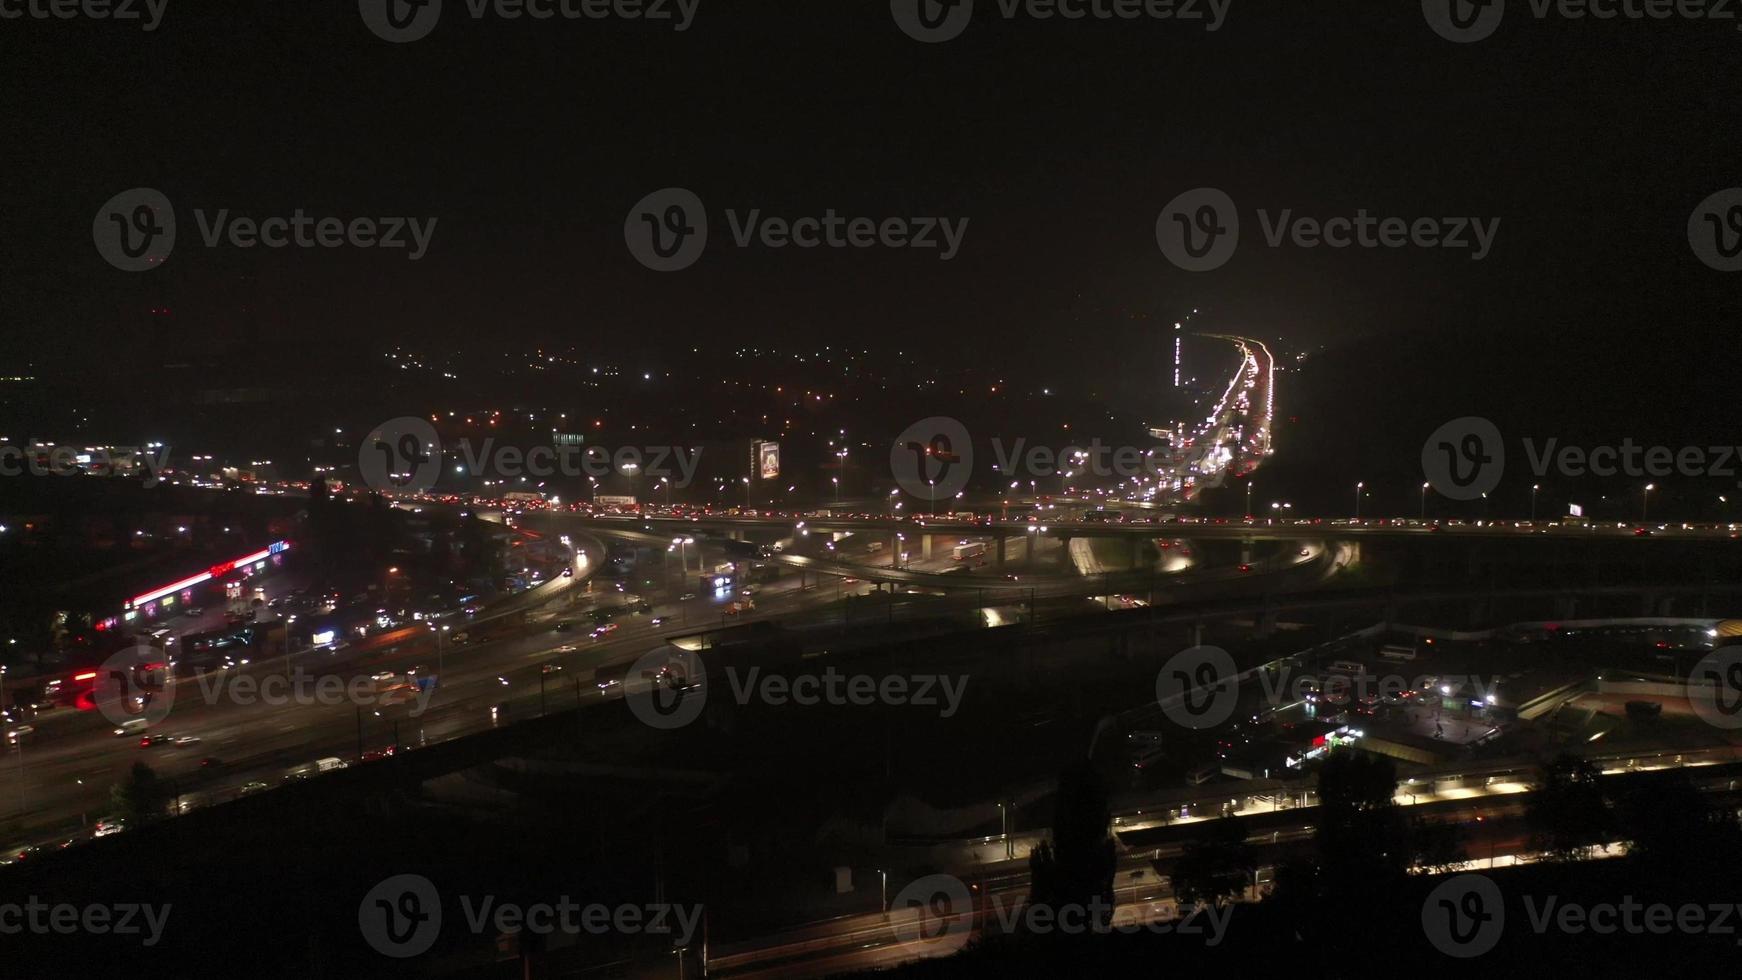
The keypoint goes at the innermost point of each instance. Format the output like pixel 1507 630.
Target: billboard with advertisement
pixel 765 459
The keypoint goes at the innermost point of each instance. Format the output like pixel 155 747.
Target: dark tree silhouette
pixel 1675 829
pixel 1363 840
pixel 140 798
pixel 1568 814
pixel 1075 867
pixel 1216 867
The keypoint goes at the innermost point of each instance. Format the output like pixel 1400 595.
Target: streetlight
pixel 1424 502
pixel 837 482
pixel 1645 501
pixel 1248 498
pixel 1358 488
pixel 1534 487
pixel 746 481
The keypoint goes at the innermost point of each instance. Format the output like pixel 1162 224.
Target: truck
pixel 963 552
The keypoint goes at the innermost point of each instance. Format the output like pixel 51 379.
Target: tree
pixel 1568 814
pixel 1437 847
pixel 1363 840
pixel 1216 867
pixel 1075 867
pixel 140 798
pixel 1676 829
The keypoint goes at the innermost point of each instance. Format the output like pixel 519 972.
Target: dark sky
pixel 1060 141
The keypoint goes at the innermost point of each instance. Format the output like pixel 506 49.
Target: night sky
pixel 1060 142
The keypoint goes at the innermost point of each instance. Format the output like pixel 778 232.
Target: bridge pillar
pixel 1136 552
pixel 1065 550
pixel 1245 551
pixel 925 546
pixel 1003 545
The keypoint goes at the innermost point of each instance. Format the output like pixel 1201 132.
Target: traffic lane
pixel 240 733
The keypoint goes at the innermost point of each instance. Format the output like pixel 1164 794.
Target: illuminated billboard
pixel 765 459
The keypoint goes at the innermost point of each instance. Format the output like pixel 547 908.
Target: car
pixel 194 611
pixel 460 637
pixel 20 734
pixel 567 648
pixel 687 596
pixel 108 828
pixel 383 675
pixel 747 590
pixel 659 620
pixel 252 787
pixel 131 726
pixel 211 763
pixel 600 632
pixel 1640 532
pixel 565 626
pixel 151 741
pixel 1245 567
pixel 183 741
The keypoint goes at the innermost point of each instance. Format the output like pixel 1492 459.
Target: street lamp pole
pixel 1534 487
pixel 1358 488
pixel 1248 498
pixel 1645 502
pixel 1424 503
